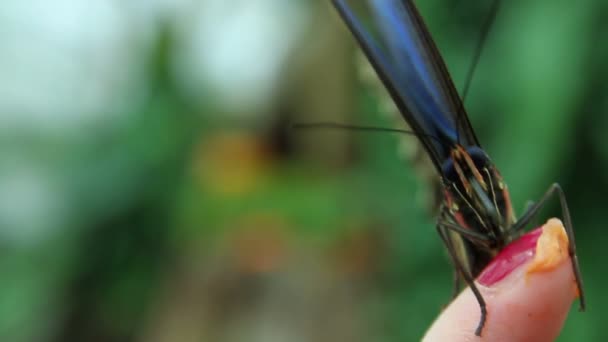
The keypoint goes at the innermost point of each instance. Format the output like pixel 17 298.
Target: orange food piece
pixel 551 248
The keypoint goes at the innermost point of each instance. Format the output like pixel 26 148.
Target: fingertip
pixel 530 308
pixel 528 303
pixel 534 307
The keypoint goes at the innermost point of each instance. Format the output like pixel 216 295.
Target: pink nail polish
pixel 510 258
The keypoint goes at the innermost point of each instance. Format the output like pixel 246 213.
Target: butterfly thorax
pixel 476 198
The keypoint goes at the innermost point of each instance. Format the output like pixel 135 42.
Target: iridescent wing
pixel 399 47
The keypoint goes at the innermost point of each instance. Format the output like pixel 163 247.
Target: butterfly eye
pixel 479 157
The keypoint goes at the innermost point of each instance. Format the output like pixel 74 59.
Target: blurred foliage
pixel 179 215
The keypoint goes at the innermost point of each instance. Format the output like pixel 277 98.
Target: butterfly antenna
pixel 335 125
pixel 485 29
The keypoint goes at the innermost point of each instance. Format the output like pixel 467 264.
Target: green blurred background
pixel 151 189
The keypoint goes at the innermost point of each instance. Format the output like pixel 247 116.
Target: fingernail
pixel 510 258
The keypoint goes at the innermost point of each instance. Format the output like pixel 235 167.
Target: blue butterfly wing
pixel 401 50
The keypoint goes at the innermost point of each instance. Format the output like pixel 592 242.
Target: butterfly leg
pixel 556 190
pixel 461 270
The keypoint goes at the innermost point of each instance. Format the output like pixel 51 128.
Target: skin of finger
pixel 520 308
